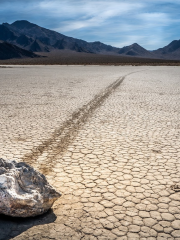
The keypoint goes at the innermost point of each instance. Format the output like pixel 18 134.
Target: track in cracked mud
pixel 63 136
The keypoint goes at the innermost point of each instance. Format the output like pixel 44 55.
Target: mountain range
pixel 8 51
pixel 23 35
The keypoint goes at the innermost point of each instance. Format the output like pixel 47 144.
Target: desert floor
pixel 67 57
pixel 107 138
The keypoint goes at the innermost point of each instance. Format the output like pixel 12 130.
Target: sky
pixel 150 23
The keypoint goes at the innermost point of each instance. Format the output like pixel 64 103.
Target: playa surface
pixel 106 137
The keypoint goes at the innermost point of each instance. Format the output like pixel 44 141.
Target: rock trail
pixel 61 138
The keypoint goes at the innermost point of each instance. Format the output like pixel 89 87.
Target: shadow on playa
pixel 11 227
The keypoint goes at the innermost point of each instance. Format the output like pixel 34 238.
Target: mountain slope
pixel 9 34
pixel 6 34
pixel 53 38
pixel 8 51
pixel 50 40
pixel 34 38
pixel 34 31
pixel 136 50
pixel 172 50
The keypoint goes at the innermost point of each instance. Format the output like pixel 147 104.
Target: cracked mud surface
pixel 110 146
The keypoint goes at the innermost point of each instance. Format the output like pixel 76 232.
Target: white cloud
pixel 89 8
pixel 84 14
pixel 155 19
pixel 118 22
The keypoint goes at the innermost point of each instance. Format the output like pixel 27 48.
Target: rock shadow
pixel 11 226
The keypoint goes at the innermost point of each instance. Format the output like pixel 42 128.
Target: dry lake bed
pixel 107 138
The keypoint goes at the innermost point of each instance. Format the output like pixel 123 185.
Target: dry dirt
pixel 67 57
pixel 107 138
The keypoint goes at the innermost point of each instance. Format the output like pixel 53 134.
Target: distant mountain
pixel 136 50
pixel 8 51
pixel 9 34
pixel 171 51
pixel 38 39
pixel 34 38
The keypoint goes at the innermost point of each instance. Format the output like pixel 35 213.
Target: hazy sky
pixel 151 23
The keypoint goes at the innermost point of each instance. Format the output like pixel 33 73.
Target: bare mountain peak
pixel 32 37
pixel 135 44
pixel 136 50
pixel 97 42
pixel 23 24
pixel 172 50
